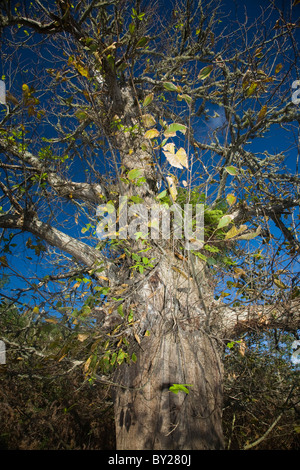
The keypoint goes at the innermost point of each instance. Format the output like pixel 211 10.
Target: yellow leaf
pixel 231 199
pixel 182 157
pixel 279 284
pixel 250 235
pixel 84 72
pixel 179 271
pixel 258 52
pixel 62 357
pixel 148 120
pixel 137 338
pixel 178 160
pixel 252 89
pixel 87 364
pixel 3 261
pixel 172 187
pixel 82 337
pixel 51 320
pixel 151 134
pixel 242 347
pixel 205 72
pixel 238 272
pixel 278 68
pixel 110 48
pixel 262 113
pixel 169 147
pixel 234 231
pixel 25 88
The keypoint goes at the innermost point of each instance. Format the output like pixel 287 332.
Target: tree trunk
pixel 177 351
pixel 148 416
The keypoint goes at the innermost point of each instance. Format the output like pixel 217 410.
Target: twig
pixel 258 441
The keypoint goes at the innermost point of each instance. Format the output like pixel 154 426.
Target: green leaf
pixel 137 199
pixel 113 358
pixel 205 72
pixel 134 174
pixel 224 221
pixel 170 86
pixel 142 42
pixel 232 170
pixel 133 357
pixel 138 235
pixel 175 388
pixel 120 310
pixel 186 98
pixel 199 255
pixel 162 194
pixel 211 248
pixel 148 100
pixel 81 115
pixel 173 128
pixel 121 356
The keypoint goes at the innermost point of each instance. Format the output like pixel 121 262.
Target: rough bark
pixel 178 350
pixel 149 416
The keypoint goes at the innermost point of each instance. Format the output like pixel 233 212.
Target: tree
pixel 113 104
pixel 261 393
pixel 44 404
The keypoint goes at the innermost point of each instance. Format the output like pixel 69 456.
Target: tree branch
pixel 239 319
pixel 83 191
pixel 84 254
pixel 258 441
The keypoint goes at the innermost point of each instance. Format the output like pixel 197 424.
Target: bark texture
pixel 149 416
pixel 178 350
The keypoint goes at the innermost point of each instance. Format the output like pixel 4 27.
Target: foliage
pixel 260 385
